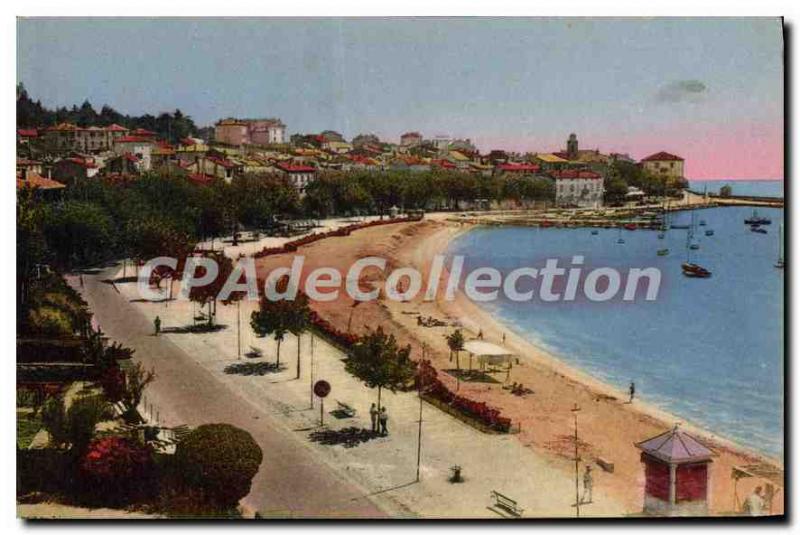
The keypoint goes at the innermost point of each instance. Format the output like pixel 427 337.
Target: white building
pixel 583 189
pixel 664 164
pixel 141 147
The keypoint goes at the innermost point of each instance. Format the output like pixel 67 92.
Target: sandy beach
pixel 609 426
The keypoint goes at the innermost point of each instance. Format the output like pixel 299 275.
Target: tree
pixel 275 318
pixel 74 426
pixel 300 314
pixel 725 191
pixel 136 380
pixel 455 341
pixel 220 460
pixel 378 361
pixel 207 294
pixel 79 232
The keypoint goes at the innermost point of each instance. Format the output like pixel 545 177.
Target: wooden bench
pixel 507 504
pixel 346 409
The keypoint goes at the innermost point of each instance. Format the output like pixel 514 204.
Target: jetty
pixel 630 217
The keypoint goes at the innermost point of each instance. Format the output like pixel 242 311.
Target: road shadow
pixel 349 437
pixel 254 368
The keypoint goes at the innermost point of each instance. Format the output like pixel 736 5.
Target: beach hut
pixel 676 471
pixel 487 353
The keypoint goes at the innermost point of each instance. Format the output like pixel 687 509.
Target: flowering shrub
pixel 116 468
pixel 326 328
pixel 431 386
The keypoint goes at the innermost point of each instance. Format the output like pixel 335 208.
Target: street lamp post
pixel 419 430
pixel 238 330
pixel 311 371
pixel 575 410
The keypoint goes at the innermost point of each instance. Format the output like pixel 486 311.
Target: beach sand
pixel 609 426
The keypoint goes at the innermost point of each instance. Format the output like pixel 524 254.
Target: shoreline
pixel 542 420
pixel 519 341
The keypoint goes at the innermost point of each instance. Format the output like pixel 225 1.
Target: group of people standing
pixel 380 419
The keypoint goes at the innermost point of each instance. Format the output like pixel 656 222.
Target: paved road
pixel 291 481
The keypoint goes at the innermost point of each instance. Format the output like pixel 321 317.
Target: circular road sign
pixel 322 388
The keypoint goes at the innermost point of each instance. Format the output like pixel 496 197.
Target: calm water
pixel 707 350
pixel 757 188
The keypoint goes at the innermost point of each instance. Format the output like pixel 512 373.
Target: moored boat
pixel 756 219
pixel 691 269
pixel 662 252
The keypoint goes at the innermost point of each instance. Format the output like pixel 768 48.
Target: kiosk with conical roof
pixel 676 470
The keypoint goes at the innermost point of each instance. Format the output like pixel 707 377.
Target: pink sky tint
pixel 747 151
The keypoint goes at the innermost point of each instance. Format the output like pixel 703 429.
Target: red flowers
pixel 433 387
pixel 113 458
pixel 292 246
pixel 340 338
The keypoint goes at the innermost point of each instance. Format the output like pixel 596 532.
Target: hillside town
pixel 51 157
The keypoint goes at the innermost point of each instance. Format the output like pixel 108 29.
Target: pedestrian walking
pixel 157 325
pixel 480 334
pixel 373 415
pixel 504 338
pixel 81 278
pixel 588 483
pixel 632 392
pixel 384 418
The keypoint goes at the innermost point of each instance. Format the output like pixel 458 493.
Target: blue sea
pixel 708 350
pixel 746 188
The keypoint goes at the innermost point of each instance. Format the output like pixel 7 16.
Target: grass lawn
pixel 27 427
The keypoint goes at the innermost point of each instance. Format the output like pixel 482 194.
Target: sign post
pixel 322 388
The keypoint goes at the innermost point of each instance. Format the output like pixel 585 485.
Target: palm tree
pixel 455 341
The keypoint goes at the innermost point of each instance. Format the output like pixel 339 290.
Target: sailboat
pixel 780 264
pixel 689 268
pixel 755 219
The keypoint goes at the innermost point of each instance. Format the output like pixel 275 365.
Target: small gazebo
pixel 676 474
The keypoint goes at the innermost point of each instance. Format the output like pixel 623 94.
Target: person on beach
pixel 81 278
pixel 632 392
pixel 504 338
pixel 588 482
pixel 754 504
pixel 373 415
pixel 157 325
pixel 480 334
pixel 384 418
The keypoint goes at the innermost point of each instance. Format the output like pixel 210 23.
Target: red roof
pixel 227 164
pixel 187 141
pixel 574 173
pixel 28 132
pixel 143 132
pixel 444 164
pixel 296 168
pixel 82 162
pixel 675 446
pixel 519 167
pixel 661 157
pixel 130 157
pixel 36 181
pixel 116 128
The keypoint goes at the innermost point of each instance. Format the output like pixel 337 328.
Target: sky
pixel 709 90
